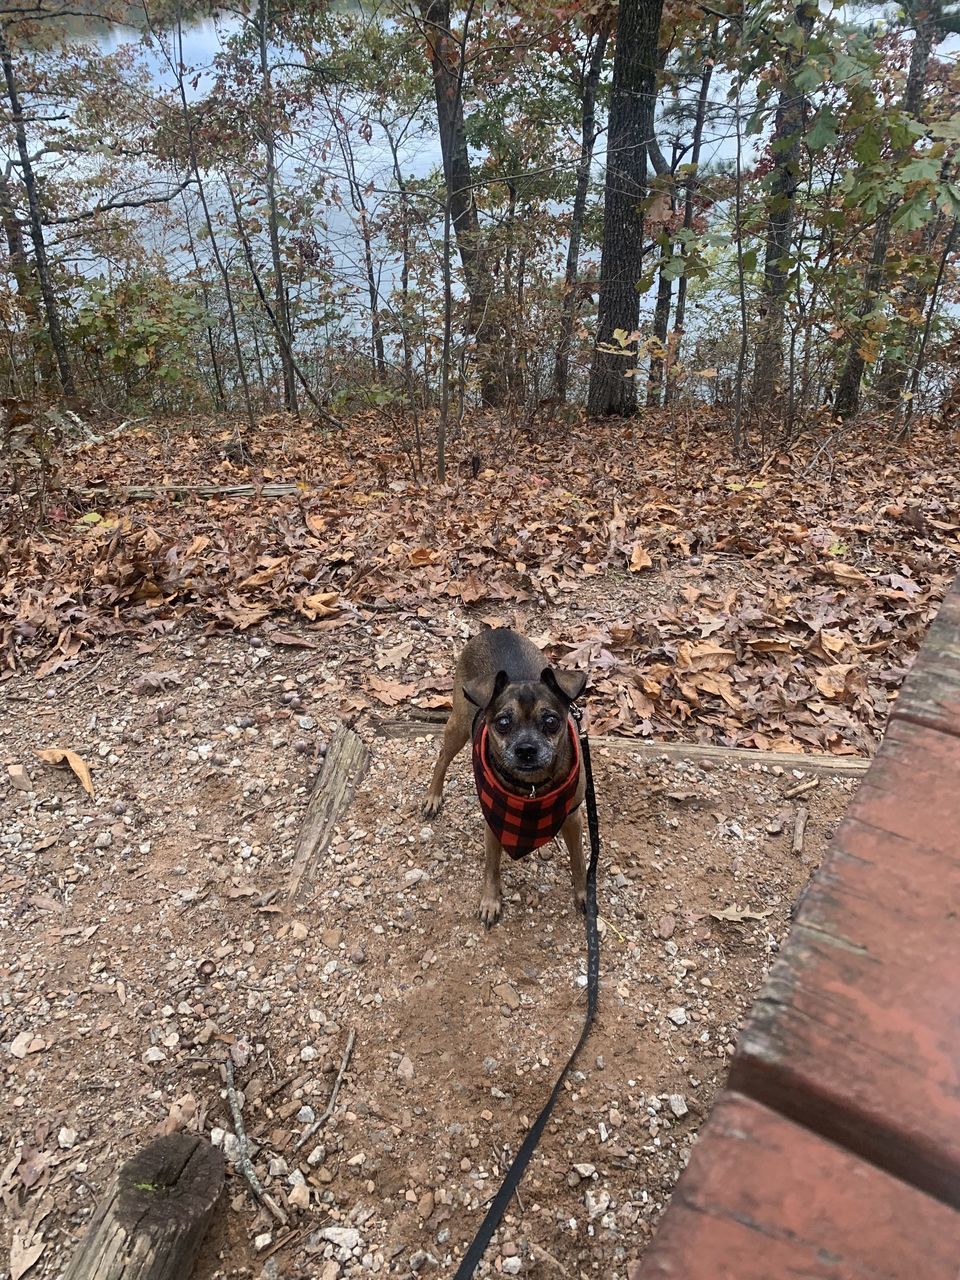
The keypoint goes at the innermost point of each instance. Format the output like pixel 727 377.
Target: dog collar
pixel 523 823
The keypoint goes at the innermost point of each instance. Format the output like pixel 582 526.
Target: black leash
pixel 471 1259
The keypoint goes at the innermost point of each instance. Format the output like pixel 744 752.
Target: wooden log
pixel 153 1219
pixel 345 764
pixel 641 749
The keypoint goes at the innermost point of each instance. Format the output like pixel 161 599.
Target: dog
pixel 526 755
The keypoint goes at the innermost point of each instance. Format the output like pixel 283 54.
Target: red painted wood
pixel 765 1199
pixel 857 1031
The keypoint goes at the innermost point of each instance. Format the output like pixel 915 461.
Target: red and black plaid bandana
pixel 523 823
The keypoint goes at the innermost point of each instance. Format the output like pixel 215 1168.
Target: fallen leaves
pixel 706 602
pixel 63 755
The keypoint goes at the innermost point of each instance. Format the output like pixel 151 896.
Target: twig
pixel 539 1252
pixel 799 827
pixel 801 788
pixel 86 675
pixel 243 1153
pixel 328 1110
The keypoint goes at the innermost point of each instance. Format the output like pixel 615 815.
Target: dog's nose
pixel 525 753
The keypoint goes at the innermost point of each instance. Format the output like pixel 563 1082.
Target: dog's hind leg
pixel 572 832
pixel 454 739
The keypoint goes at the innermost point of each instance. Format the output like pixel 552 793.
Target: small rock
pixel 19 777
pixel 415 876
pixel 405 1069
pixel 678 1105
pixel 666 926
pixel 154 1055
pixel 585 1170
pixel 512 1266
pixel 507 995
pixel 425 1205
pixel 306 723
pixel 343 1237
pixel 306 1115
pixel 358 955
pixel 331 1270
pixel 278 1167
pixel 596 1202
pixel 331 938
pixel 299 931
pixel 299 1196
pixel 263 1241
pixel 66 1138
pixel 677 1016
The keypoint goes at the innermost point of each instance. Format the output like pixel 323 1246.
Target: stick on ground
pixel 345 764
pixel 328 1110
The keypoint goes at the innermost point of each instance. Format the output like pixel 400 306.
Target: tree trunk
pixel 895 369
pixel 205 294
pixel 443 52
pixel 588 136
pixel 847 399
pixel 787 149
pixel 281 307
pixel 630 126
pixel 661 323
pixel 50 304
pixel 692 182
pixel 26 279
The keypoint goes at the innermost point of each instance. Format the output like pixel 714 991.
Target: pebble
pixel 66 1138
pixel 425 1205
pixel 415 876
pixel 677 1016
pixel 507 995
pixel 678 1105
pixel 596 1202
pixel 263 1241
pixel 405 1069
pixel 585 1170
pixel 512 1266
pixel 342 1237
pixel 299 1196
pixel 306 723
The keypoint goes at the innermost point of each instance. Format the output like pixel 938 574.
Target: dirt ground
pixel 143 938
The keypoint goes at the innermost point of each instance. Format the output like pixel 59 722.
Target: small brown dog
pixel 526 755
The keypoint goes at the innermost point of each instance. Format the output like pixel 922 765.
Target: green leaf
pixel 823 131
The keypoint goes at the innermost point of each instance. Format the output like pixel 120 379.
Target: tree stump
pixel 153 1219
pixel 345 764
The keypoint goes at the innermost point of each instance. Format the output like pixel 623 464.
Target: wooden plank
pixel 857 1031
pixel 931 694
pixel 152 1221
pixel 643 749
pixel 765 1199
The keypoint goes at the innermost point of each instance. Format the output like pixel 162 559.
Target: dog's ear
pixel 567 685
pixel 483 692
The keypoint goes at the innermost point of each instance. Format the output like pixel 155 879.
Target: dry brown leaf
pixel 390 692
pixel 63 755
pixel 639 559
pixel 24 1253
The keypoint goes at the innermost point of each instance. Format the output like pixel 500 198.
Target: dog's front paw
pixel 491 907
pixel 431 806
pixel 580 900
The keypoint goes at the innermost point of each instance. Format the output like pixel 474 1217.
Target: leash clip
pixel 577 713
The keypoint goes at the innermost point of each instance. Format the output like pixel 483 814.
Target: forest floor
pixel 197 653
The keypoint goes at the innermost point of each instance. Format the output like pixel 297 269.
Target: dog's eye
pixel 502 723
pixel 551 723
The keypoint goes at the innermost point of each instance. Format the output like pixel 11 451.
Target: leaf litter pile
pixel 777 610
pixel 173 670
